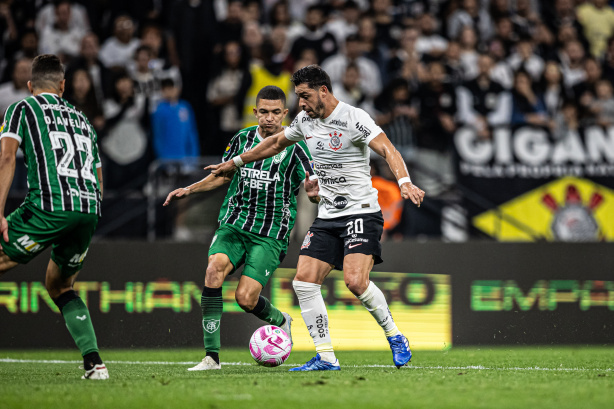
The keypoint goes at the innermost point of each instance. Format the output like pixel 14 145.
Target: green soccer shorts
pixel 261 255
pixel 32 230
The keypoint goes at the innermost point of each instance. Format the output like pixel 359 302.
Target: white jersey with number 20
pixel 339 145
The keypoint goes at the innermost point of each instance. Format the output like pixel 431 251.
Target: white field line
pixel 438 367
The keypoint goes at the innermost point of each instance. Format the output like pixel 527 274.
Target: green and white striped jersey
pixel 261 198
pixel 60 150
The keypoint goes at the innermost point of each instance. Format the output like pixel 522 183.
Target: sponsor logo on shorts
pixel 340 202
pixel 335 141
pixel 267 272
pixel 211 325
pixel 355 239
pixel 26 245
pixel 81 318
pixel 351 246
pixel 307 240
pixel 77 259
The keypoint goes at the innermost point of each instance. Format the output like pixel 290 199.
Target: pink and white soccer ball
pixel 270 345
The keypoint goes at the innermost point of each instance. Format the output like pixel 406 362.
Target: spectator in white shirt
pixel 429 42
pixel 369 73
pixel 118 50
pixel 60 39
pixel 524 57
pixel 17 88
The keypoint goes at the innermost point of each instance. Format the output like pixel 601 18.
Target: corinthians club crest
pixel 335 141
pixel 574 220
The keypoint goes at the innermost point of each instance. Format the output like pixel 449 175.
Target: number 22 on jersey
pixel 66 165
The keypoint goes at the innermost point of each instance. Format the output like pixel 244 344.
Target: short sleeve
pixel 364 129
pixel 304 159
pixel 295 132
pixel 13 120
pixel 232 149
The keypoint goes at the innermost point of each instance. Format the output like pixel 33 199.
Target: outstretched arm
pixel 211 182
pixel 383 147
pixel 8 150
pixel 271 146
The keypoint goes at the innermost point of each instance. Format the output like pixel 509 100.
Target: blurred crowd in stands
pixel 167 79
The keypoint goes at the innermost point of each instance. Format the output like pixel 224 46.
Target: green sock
pixel 80 326
pixel 211 304
pixel 268 312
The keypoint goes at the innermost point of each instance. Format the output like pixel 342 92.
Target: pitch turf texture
pixel 570 377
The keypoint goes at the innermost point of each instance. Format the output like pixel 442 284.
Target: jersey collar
pixel 333 114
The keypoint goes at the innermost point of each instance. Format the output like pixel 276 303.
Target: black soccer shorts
pixel 330 240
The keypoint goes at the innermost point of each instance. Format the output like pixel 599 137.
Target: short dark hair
pixel 312 75
pixel 271 92
pixel 47 71
pixel 167 83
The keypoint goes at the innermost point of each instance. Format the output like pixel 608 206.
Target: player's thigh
pixel 70 250
pixel 219 267
pixel 228 241
pixel 323 242
pixel 56 281
pixel 264 255
pixel 30 231
pixel 356 269
pixel 247 292
pixel 312 270
pixel 6 263
pixel 362 235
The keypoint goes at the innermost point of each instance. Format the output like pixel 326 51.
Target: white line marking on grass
pixel 438 367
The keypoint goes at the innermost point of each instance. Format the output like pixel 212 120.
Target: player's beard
pixel 319 109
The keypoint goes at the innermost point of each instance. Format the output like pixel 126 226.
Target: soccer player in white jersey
pixel 346 234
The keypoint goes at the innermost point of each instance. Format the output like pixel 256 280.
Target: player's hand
pixel 412 192
pixel 4 230
pixel 222 169
pixel 311 187
pixel 177 194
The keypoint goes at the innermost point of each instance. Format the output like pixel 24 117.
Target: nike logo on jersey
pixel 308 137
pixel 351 246
pixel 82 318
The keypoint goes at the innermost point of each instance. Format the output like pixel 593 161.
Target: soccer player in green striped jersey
pixel 255 222
pixel 64 195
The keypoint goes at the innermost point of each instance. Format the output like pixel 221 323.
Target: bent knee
pixel 357 285
pixel 246 300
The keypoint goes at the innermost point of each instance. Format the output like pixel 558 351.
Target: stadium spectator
pixel 372 49
pixel 350 89
pixel 603 105
pixel 585 91
pixel 483 103
pixel 608 62
pixel 173 126
pixel 147 75
pixel 125 144
pixel 470 15
pixel 406 50
pixel 17 88
pixel 566 121
pixel 525 58
pixel 89 61
pixel 227 90
pixel 527 107
pixel 525 18
pixel 395 115
pixel 80 92
pixel 314 36
pixel 597 19
pixel 279 15
pixel 452 63
pixel 369 72
pixel 262 74
pixel 383 14
pixel 430 44
pixel 504 33
pixel 253 38
pixel 118 50
pixel 47 17
pixel 552 90
pixel 231 28
pixel 572 59
pixel 60 38
pixel 468 42
pixel 346 24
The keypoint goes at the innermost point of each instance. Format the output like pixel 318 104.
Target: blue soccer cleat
pixel 401 354
pixel 316 364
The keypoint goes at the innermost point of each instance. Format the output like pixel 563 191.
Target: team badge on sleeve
pixel 2 127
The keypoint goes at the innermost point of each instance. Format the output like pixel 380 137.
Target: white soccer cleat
pixel 287 327
pixel 206 364
pixel 98 372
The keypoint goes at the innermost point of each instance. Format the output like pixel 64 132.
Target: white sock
pixel 315 316
pixel 374 301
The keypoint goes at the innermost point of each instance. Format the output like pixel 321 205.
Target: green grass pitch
pixel 494 378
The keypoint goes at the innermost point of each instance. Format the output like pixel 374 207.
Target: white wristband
pixel 404 180
pixel 238 161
